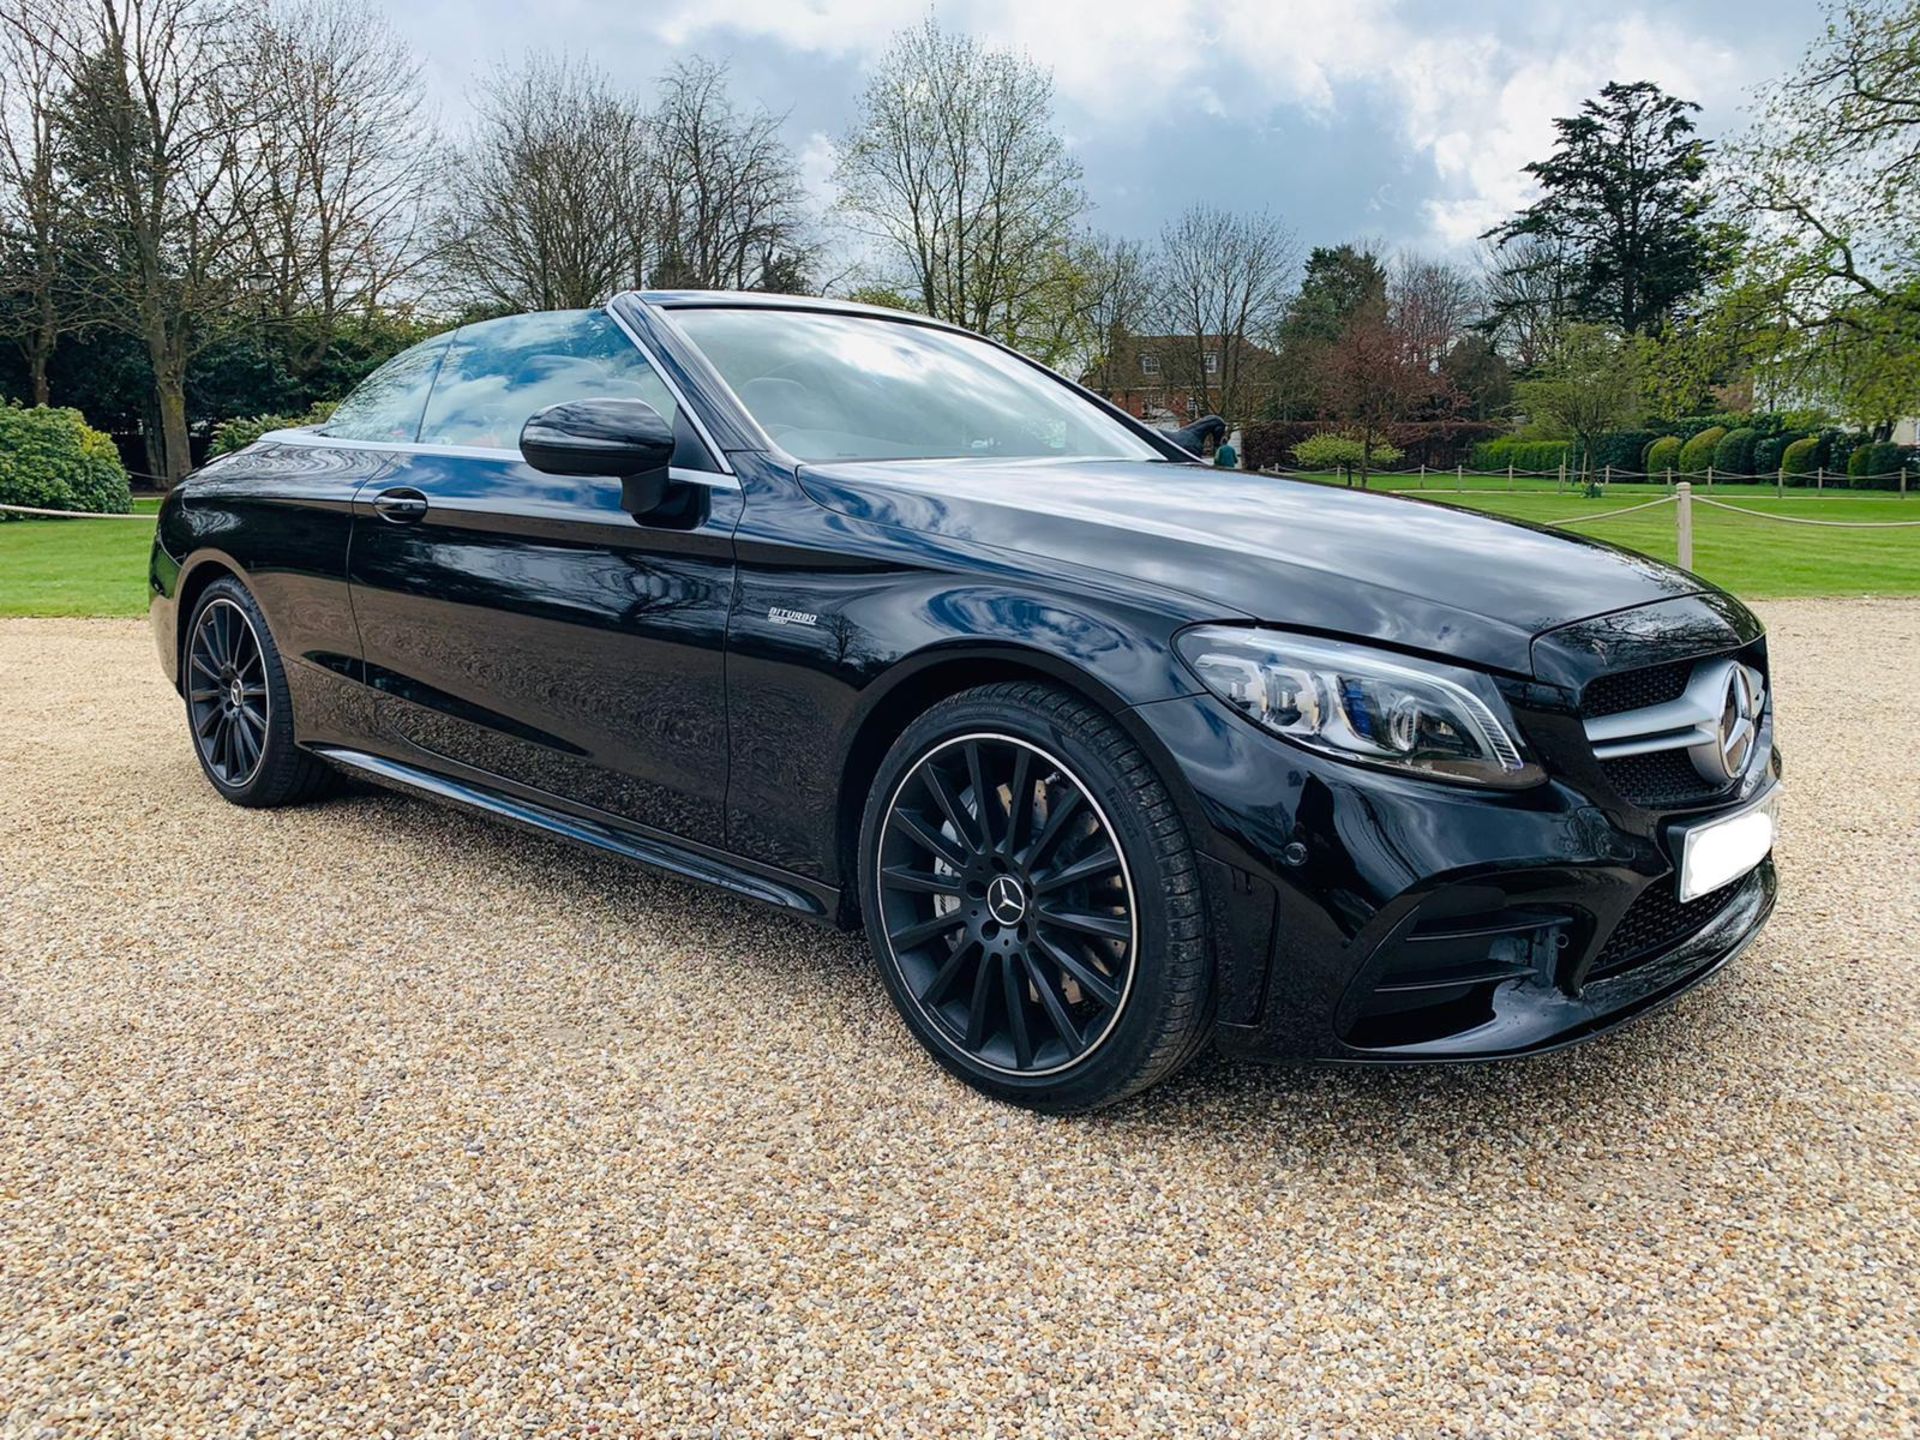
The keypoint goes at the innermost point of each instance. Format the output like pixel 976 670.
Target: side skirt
pixel 656 851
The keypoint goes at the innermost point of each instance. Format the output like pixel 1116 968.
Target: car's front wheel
pixel 1032 897
pixel 238 707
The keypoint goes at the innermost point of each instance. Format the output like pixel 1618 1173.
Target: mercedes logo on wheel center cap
pixel 1739 726
pixel 1006 901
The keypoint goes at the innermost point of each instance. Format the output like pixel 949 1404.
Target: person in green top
pixel 1226 457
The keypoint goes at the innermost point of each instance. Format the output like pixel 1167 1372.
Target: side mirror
pixel 624 438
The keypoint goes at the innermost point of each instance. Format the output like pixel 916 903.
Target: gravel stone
pixel 371 1118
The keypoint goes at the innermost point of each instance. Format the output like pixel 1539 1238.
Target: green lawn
pixel 75 567
pixel 1756 558
pixel 99 567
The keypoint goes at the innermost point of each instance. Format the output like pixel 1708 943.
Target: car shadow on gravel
pixel 1434 1127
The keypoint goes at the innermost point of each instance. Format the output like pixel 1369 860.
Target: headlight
pixel 1360 704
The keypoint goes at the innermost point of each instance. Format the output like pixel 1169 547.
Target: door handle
pixel 402 506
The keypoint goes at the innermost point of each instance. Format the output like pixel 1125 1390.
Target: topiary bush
pixel 52 459
pixel 1734 454
pixel 242 431
pixel 1543 455
pixel 1876 466
pixel 1801 459
pixel 1697 454
pixel 1662 455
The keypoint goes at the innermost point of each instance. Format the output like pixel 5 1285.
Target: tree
pixel 154 124
pixel 726 187
pixel 955 173
pixel 1221 284
pixel 1337 281
pixel 554 210
pixel 1117 307
pixel 1528 282
pixel 1831 167
pixel 1349 454
pixel 1434 303
pixel 1372 379
pixel 1591 386
pixel 1476 373
pixel 34 292
pixel 1623 192
pixel 346 164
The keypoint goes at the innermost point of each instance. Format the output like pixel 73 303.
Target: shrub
pixel 1662 455
pixel 1622 449
pixel 1876 466
pixel 1801 459
pixel 1343 453
pixel 1734 454
pixel 53 460
pixel 1769 453
pixel 1688 426
pixel 1840 447
pixel 1268 444
pixel 242 431
pixel 1697 454
pixel 1521 454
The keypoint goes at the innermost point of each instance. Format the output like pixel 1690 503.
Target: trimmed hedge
pixel 52 459
pixel 1840 447
pixel 1876 466
pixel 1770 452
pixel 1697 454
pixel 242 431
pixel 1521 454
pixel 1662 455
pixel 1734 454
pixel 1622 449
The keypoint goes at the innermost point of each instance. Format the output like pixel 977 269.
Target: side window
pixel 501 371
pixel 388 403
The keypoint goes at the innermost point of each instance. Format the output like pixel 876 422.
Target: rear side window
pixel 387 404
pixel 498 373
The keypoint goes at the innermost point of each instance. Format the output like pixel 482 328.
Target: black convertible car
pixel 1113 754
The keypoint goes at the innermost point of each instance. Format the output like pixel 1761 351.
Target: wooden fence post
pixel 1510 474
pixel 1780 484
pixel 1903 482
pixel 1669 477
pixel 1820 478
pixel 1423 474
pixel 1606 477
pixel 1562 485
pixel 1683 519
pixel 1709 475
pixel 1460 479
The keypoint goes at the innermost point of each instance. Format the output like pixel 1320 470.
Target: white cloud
pixel 1471 107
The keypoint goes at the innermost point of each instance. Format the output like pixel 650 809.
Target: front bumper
pixel 1361 916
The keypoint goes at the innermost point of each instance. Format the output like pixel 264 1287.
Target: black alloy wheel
pixel 238 706
pixel 1007 903
pixel 1033 900
pixel 227 698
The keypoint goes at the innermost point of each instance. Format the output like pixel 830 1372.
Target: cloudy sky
pixel 1403 122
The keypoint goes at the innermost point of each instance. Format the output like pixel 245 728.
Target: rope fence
pixel 1819 481
pixel 78 514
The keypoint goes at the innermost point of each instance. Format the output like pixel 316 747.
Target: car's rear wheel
pixel 1031 894
pixel 238 708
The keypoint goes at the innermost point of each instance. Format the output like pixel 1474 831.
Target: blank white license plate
pixel 1717 852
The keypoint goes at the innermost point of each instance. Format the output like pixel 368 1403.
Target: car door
pixel 523 629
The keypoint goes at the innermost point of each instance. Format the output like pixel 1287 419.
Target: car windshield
pixel 850 387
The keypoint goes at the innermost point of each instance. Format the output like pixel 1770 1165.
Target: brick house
pixel 1154 378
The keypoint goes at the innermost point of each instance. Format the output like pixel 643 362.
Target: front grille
pixel 1635 689
pixel 1657 921
pixel 1659 779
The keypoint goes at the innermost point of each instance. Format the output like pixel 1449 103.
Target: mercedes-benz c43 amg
pixel 1112 755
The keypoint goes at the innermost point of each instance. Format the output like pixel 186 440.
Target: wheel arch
pixel 199 572
pixel 917 683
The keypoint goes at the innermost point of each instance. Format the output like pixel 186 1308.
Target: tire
pixel 239 711
pixel 1058 960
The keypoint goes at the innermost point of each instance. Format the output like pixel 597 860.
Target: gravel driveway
pixel 371 1118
